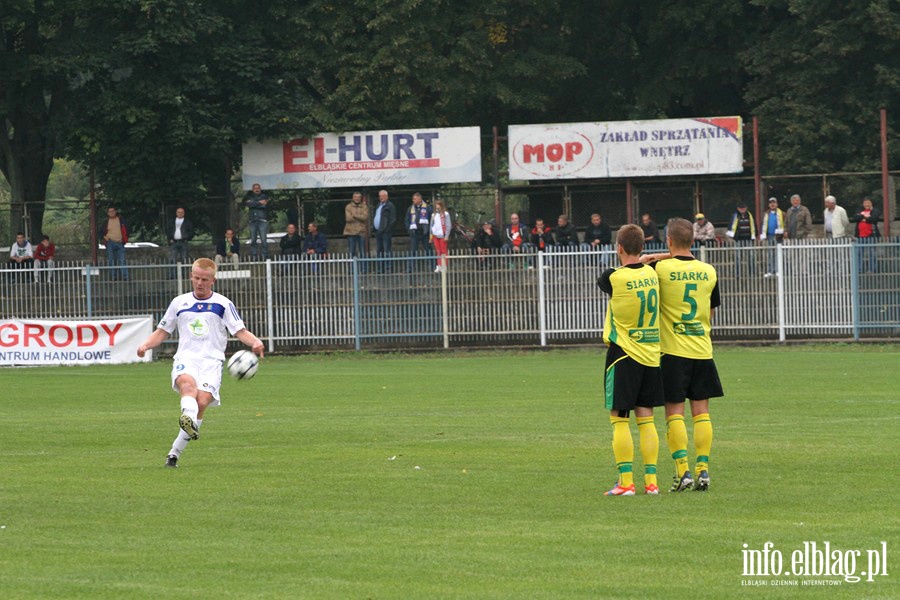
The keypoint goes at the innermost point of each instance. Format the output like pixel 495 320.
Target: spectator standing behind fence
pixel 597 235
pixel 651 231
pixel 743 231
pixel 257 202
pixel 704 232
pixel 565 236
pixel 228 249
pixel 799 221
pixel 867 231
pixel 440 231
pixel 291 243
pixel 418 222
pixel 837 224
pixel 179 231
pixel 383 222
pixel 114 233
pixel 356 221
pixel 21 254
pixel 772 231
pixel 43 258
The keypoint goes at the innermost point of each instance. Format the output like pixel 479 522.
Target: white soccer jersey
pixel 201 325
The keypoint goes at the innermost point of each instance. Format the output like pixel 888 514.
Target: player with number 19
pixel 632 379
pixel 204 319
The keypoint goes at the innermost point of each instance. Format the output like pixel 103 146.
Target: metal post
pixel 88 295
pixel 757 177
pixel 854 288
pixel 357 318
pixel 445 304
pixel 542 299
pixel 779 258
pixel 270 305
pixel 93 235
pixel 498 215
pixel 885 178
pixel 629 202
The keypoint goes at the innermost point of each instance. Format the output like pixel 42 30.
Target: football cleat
pixel 189 427
pixel 702 481
pixel 651 490
pixel 621 491
pixel 172 461
pixel 685 483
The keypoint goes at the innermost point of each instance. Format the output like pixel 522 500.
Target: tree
pixel 820 73
pixel 35 67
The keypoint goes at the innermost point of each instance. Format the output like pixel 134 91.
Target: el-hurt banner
pixel 626 149
pixel 45 342
pixel 365 158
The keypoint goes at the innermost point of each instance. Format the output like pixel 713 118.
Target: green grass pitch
pixel 468 475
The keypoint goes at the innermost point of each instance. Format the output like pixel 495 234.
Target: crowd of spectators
pixel 430 229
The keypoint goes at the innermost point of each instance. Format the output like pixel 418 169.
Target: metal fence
pixel 798 290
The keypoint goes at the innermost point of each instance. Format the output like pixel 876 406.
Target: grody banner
pixel 44 342
pixel 365 158
pixel 626 149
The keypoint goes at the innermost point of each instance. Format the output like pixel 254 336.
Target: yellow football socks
pixel 623 450
pixel 703 437
pixel 649 448
pixel 677 437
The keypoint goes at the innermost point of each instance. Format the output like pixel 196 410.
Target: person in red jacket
pixel 43 258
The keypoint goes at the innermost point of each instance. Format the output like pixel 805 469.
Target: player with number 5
pixel 689 291
pixel 204 319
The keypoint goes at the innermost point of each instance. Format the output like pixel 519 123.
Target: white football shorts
pixel 207 373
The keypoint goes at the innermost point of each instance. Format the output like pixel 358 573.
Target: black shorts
pixel 691 378
pixel 629 384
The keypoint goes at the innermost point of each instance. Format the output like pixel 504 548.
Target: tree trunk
pixel 27 169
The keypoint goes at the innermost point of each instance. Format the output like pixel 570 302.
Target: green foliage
pixel 312 490
pixel 819 76
pixel 158 95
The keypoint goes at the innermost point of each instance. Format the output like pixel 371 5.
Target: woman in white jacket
pixel 440 231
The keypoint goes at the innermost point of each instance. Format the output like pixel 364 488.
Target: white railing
pixel 819 289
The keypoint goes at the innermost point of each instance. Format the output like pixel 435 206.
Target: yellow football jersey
pixel 688 291
pixel 632 316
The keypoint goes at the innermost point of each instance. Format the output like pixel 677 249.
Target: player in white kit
pixel 204 320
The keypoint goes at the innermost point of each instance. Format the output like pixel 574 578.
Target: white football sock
pixel 181 441
pixel 189 407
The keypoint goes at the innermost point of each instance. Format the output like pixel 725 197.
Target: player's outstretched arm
pixel 156 338
pixel 250 340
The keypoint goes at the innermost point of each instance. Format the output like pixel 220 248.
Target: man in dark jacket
pixel 486 241
pixel 597 233
pixel 291 243
pixel 382 223
pixel 566 236
pixel 179 232
pixel 541 236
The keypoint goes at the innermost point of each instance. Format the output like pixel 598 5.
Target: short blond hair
pixel 205 264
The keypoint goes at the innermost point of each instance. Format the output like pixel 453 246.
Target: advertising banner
pixel 365 158
pixel 49 342
pixel 626 149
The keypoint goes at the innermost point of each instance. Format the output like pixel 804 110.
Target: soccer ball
pixel 242 364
